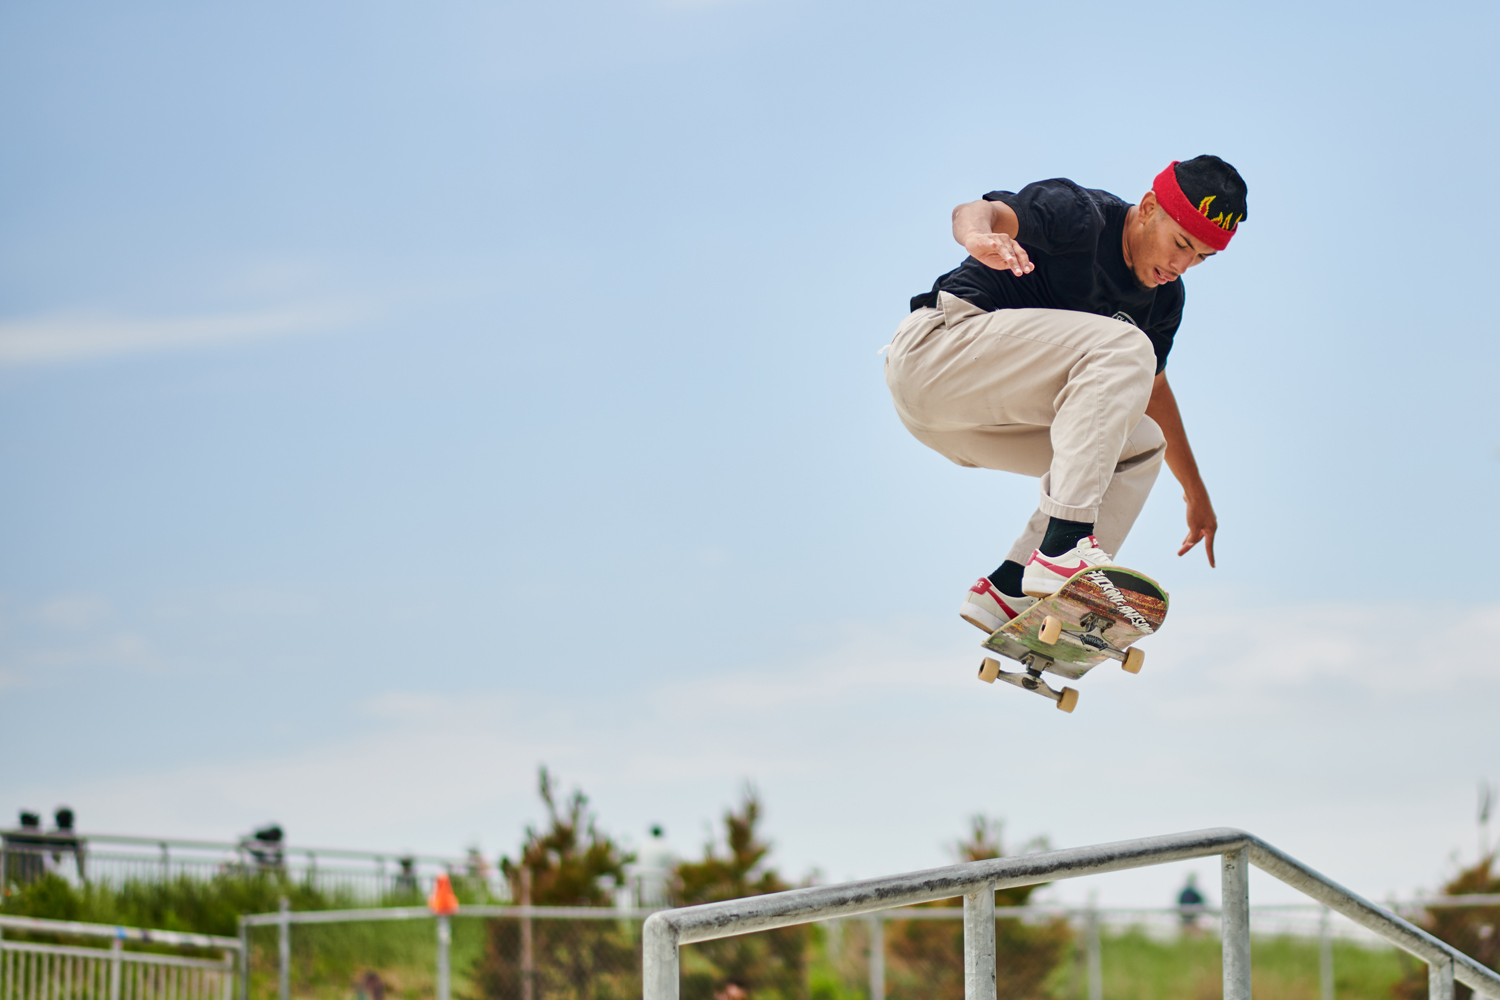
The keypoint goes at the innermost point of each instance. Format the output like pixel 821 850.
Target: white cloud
pixel 58 339
pixel 1287 721
pixel 75 612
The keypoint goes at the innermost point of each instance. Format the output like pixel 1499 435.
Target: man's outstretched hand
pixel 999 251
pixel 1202 524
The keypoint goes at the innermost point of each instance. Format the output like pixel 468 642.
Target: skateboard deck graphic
pixel 1097 615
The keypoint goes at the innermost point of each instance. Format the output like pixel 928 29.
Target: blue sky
pixel 395 398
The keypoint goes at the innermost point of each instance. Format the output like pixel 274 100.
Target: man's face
pixel 1159 249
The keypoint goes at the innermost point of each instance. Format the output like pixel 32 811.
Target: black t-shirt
pixel 1073 236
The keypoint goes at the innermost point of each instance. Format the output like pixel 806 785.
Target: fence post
pixel 445 938
pixel 1095 959
pixel 116 957
pixel 1440 980
pixel 877 956
pixel 244 962
pixel 1236 924
pixel 1325 957
pixel 528 964
pixel 659 959
pixel 284 949
pixel 979 945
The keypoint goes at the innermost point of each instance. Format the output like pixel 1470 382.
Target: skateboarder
pixel 1045 353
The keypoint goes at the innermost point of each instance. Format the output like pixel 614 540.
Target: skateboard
pixel 1097 615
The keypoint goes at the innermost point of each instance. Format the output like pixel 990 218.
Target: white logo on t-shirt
pixel 1124 317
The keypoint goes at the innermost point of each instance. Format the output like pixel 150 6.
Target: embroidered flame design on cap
pixel 1224 220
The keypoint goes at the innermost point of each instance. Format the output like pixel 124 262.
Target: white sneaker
pixel 1045 575
pixel 986 608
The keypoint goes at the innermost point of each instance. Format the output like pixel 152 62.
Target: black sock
pixel 1007 579
pixel 1063 535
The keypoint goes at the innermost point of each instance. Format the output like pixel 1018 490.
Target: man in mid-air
pixel 1045 353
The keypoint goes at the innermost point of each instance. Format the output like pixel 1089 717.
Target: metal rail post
pixel 1440 980
pixel 877 956
pixel 1095 959
pixel 528 963
pixel 244 963
pixel 660 977
pixel 1236 924
pixel 979 945
pixel 116 957
pixel 445 938
pixel 284 949
pixel 1325 957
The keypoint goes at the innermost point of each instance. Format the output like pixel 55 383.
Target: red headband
pixel 1169 194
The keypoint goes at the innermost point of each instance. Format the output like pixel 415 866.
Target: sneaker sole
pixel 979 618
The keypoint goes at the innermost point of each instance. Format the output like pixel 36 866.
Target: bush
pixel 568 864
pixel 201 906
pixel 768 964
pixel 1470 929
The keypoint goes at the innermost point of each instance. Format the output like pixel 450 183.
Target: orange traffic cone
pixel 442 901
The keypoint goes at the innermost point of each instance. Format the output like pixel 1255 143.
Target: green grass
pixel 1137 967
pixel 327 958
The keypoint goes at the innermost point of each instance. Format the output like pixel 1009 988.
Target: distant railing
pixel 976 882
pixel 31 970
pixel 26 854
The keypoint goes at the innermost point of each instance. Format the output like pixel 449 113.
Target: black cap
pixel 1215 189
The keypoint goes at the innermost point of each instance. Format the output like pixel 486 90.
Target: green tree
pixel 925 957
pixel 569 863
pixel 1473 930
pixel 768 964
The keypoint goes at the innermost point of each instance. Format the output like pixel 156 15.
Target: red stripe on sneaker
pixel 1063 571
pixel 984 585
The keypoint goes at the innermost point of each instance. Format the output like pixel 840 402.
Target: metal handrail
pixel 72 928
pixel 422 912
pixel 32 839
pixel 976 882
pixel 225 964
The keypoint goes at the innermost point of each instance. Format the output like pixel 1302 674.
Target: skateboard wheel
pixel 1069 699
pixel 988 670
pixel 1135 659
pixel 1051 630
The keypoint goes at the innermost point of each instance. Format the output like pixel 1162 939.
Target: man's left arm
pixel 1202 523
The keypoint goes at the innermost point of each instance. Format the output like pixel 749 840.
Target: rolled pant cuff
pixel 1052 508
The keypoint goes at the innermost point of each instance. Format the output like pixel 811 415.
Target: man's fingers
pixel 1189 542
pixel 1208 547
pixel 1015 258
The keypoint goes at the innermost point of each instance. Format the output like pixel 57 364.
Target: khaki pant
pixel 1044 392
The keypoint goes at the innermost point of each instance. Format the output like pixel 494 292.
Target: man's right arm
pixel 988 229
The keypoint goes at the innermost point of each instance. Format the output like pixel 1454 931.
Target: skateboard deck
pixel 1096 616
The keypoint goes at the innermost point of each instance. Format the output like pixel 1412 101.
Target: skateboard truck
pixel 1092 637
pixel 1030 680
